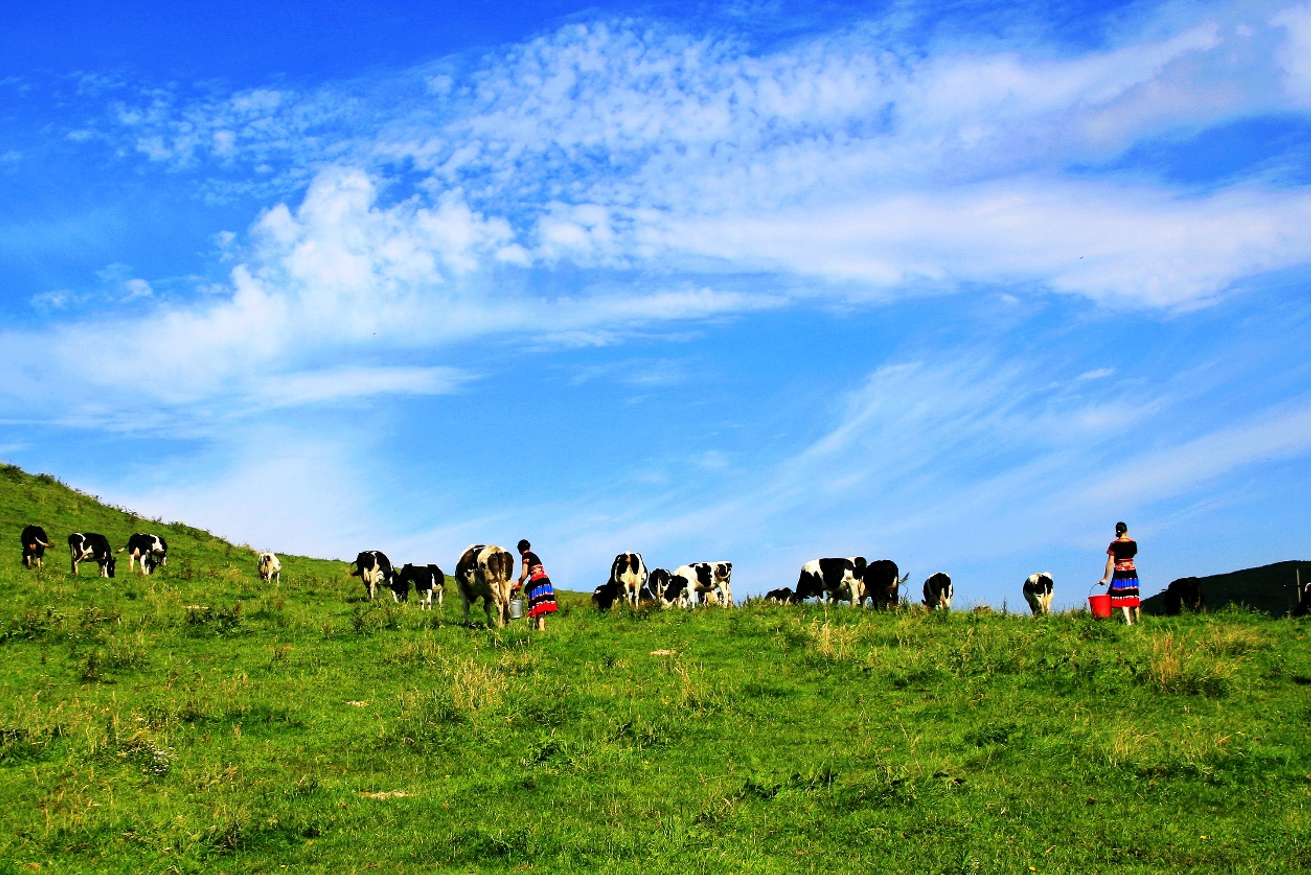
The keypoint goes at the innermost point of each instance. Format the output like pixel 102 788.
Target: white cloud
pixel 1294 53
pixel 855 156
pixel 348 383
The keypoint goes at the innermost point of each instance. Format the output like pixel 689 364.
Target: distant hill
pixel 1271 589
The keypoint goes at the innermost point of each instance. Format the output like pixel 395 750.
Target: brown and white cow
pixel 702 578
pixel 270 569
pixel 486 572
pixel 1038 592
pixel 628 575
pixel 938 592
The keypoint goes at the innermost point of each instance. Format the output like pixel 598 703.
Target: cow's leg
pixel 441 592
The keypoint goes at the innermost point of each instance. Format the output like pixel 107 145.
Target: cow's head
pixel 110 564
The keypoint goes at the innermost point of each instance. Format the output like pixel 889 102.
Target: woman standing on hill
pixel 1123 574
pixel 541 596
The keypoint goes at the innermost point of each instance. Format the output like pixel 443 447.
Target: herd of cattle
pixel 487 572
pixel 150 550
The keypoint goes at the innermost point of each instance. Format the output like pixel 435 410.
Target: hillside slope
pixel 40 499
pixel 198 720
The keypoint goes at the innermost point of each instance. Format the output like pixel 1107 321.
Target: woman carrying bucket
pixel 1123 574
pixel 541 596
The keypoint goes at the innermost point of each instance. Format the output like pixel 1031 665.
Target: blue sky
pixel 759 281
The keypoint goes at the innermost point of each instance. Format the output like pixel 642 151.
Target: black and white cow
pixel 152 550
pixel 92 547
pixel 668 591
pixel 486 572
pixel 35 542
pixel 833 579
pixel 938 592
pixel 1038 592
pixel 647 595
pixel 1303 606
pixel 374 568
pixel 784 596
pixel 703 578
pixel 628 571
pixel 270 569
pixel 427 579
pixel 1186 592
pixel 605 595
pixel 882 584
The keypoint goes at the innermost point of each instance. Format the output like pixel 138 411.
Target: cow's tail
pixel 121 550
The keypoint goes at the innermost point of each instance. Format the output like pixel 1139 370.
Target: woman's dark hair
pixel 1120 529
pixel 524 546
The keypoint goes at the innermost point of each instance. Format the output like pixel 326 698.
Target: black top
pixel 1123 549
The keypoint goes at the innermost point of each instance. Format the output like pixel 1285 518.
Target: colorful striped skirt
pixel 541 597
pixel 1124 592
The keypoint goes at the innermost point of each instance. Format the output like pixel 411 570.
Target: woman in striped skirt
pixel 541 596
pixel 1123 574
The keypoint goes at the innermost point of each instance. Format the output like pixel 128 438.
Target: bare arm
pixel 1110 569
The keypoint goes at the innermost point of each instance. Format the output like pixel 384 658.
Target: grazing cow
pixel 426 579
pixel 1186 592
pixel 486 572
pixel 605 595
pixel 703 578
pixel 832 579
pixel 1038 592
pixel 647 595
pixel 269 568
pixel 152 550
pixel 629 572
pixel 373 567
pixel 882 583
pixel 1303 606
pixel 35 542
pixel 938 592
pixel 91 547
pixel 668 591
pixel 784 596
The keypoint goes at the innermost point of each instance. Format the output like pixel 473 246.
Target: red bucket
pixel 1100 605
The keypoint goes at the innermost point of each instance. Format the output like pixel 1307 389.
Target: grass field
pixel 199 720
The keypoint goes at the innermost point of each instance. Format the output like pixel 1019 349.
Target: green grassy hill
pixel 200 721
pixel 1271 589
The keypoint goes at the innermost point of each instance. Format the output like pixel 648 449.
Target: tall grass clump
pixel 1183 665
